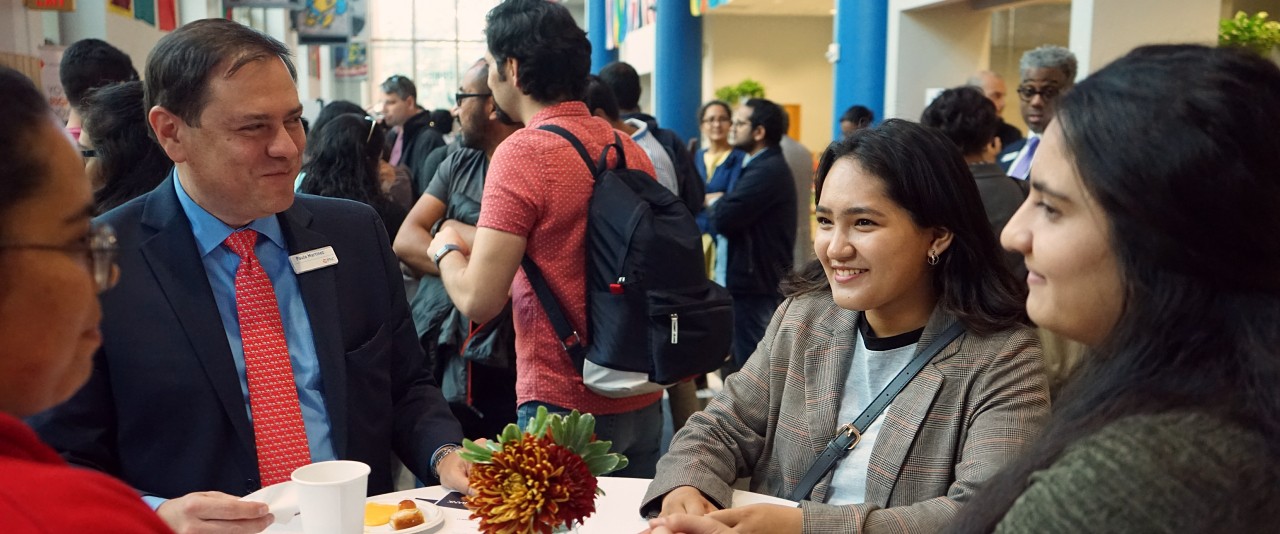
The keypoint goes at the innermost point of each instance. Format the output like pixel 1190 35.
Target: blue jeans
pixel 751 315
pixel 636 434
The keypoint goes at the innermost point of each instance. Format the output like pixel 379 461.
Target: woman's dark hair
pixel 964 115
pixel 342 160
pixel 333 109
pixel 22 160
pixel 702 111
pixel 554 54
pixel 130 163
pixel 923 172
pixel 1193 216
pixel 441 121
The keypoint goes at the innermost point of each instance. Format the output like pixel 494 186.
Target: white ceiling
pixel 776 7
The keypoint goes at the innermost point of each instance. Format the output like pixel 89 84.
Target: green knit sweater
pixel 1175 472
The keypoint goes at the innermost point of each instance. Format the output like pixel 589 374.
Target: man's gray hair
pixel 1050 57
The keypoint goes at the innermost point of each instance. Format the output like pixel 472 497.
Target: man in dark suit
pixel 756 223
pixel 251 332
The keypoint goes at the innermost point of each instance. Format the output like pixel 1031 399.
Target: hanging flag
pixel 167 15
pixel 120 7
pixel 145 11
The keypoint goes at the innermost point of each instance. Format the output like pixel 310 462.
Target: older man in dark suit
pixel 251 332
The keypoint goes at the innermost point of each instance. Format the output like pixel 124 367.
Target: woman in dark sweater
pixel 1150 237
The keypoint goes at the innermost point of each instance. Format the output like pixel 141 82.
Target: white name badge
pixel 313 259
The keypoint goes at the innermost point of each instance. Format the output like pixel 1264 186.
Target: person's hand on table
pixel 455 472
pixel 686 500
pixel 214 512
pixel 687 524
pixel 761 518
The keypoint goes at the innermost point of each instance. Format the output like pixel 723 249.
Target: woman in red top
pixel 52 265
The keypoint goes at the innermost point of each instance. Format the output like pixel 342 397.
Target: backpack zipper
pixel 675 328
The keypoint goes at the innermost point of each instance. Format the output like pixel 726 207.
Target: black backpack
pixel 653 316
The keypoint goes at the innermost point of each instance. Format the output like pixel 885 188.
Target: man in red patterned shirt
pixel 535 203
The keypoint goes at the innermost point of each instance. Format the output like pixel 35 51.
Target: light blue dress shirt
pixel 220 265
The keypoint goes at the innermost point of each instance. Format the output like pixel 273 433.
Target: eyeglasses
pixel 740 123
pixel 99 253
pixel 459 97
pixel 88 153
pixel 716 120
pixel 1027 92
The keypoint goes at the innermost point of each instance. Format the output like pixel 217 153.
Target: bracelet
pixel 435 228
pixel 439 455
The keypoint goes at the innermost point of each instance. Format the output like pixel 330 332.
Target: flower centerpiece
pixel 541 479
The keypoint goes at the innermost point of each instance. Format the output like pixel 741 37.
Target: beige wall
pixel 933 48
pixel 784 54
pixel 1103 30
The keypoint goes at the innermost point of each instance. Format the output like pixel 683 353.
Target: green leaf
pixel 475 453
pixel 510 434
pixel 603 465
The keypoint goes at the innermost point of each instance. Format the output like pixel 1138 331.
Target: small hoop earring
pixel 933 257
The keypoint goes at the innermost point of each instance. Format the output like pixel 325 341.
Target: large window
pixel 431 41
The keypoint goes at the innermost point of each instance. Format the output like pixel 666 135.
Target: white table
pixel 617 511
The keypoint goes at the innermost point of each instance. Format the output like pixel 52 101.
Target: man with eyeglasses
pixel 411 137
pixel 252 330
pixel 479 385
pixel 1047 71
pixel 756 224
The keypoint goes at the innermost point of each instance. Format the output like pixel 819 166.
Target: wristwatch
pixel 439 455
pixel 444 249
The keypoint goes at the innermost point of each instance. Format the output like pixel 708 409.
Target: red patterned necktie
pixel 278 431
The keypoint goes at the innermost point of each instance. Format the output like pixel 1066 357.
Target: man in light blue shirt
pixel 171 406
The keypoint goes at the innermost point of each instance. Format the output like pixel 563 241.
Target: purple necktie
pixel 1022 167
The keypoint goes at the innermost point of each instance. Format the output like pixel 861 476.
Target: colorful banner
pixel 329 21
pixel 167 14
pixel 120 7
pixel 698 7
pixel 145 11
pixel 622 16
pixel 352 61
pixel 288 4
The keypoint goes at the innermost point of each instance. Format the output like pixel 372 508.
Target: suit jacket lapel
pixel 171 253
pixel 319 294
pixel 826 365
pixel 905 415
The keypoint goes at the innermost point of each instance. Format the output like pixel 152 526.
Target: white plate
pixel 430 512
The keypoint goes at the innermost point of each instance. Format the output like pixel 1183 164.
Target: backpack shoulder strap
pixel 573 140
pixel 569 338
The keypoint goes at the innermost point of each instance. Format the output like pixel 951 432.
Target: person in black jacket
pixel 625 83
pixel 756 223
pixel 411 137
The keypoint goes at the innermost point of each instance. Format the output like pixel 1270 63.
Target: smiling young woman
pixel 1150 237
pixel 904 253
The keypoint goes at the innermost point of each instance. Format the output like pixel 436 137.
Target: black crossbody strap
pixel 582 149
pixel 851 433
pixel 569 338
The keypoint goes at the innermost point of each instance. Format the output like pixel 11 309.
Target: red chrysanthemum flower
pixel 529 486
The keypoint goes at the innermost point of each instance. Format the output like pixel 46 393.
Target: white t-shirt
pixel 871 369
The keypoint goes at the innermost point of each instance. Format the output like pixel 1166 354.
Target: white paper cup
pixel 331 496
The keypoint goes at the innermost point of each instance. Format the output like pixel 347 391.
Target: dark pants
pixel 636 435
pixel 751 315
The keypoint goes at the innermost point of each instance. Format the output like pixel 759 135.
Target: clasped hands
pixel 686 510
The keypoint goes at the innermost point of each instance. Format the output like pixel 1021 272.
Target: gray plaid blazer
pixel 971 410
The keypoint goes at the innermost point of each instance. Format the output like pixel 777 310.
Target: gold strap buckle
pixel 849 430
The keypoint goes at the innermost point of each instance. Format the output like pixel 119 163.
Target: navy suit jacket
pixel 163 409
pixel 758 216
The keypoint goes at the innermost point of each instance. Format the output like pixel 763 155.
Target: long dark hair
pixel 924 173
pixel 130 163
pixel 342 160
pixel 22 161
pixel 1187 177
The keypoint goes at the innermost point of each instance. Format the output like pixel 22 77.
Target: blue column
pixel 600 53
pixel 677 70
pixel 861 31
